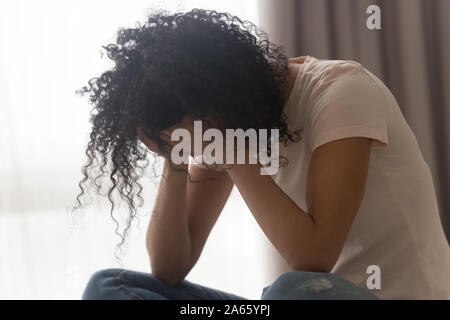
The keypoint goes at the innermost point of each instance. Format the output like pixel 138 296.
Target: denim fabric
pixel 121 284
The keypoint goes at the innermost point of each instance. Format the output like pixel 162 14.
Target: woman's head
pixel 203 64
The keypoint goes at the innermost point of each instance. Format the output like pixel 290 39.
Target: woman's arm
pixel 336 182
pixel 183 216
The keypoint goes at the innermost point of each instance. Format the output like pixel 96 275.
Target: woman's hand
pixel 153 147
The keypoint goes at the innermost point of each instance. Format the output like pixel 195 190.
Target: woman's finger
pixel 149 143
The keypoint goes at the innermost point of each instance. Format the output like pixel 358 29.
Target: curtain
pixel 48 50
pixel 409 53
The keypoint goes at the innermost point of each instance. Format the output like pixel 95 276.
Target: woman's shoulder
pixel 345 78
pixel 333 69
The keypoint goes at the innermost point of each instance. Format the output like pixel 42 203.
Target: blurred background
pixel 49 49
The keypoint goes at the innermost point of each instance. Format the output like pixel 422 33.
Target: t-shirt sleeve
pixel 351 105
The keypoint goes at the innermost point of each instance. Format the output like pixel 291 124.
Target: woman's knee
pixel 100 283
pixel 118 284
pixel 297 285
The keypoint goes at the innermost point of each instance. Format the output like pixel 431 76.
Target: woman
pixel 352 210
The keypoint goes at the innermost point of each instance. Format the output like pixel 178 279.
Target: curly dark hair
pixel 202 63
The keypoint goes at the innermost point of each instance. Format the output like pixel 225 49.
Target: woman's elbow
pixel 317 262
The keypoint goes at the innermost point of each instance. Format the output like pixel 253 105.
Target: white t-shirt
pixel 397 227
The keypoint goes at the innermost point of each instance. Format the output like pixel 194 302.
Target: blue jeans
pixel 120 284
